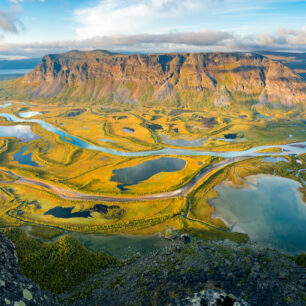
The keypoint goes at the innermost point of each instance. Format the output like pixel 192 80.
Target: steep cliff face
pixel 15 288
pixel 219 78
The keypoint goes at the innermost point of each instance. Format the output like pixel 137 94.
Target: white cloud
pixel 188 41
pixel 113 17
pixel 9 21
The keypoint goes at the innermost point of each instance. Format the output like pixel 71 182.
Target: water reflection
pixel 272 213
pixel 22 132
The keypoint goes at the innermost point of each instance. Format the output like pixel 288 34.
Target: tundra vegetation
pixel 63 165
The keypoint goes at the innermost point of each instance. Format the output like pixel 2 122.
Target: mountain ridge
pixel 177 79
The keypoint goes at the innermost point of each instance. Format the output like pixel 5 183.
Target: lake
pixel 272 213
pixel 25 159
pixel 134 175
pixel 66 213
pixel 28 114
pixel 22 132
pixel 274 160
pixel 183 142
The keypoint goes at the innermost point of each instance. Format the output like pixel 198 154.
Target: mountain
pixel 186 79
pixel 15 288
pixel 295 61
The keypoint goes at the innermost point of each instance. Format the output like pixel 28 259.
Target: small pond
pixel 183 142
pixel 22 132
pixel 25 159
pixel 274 160
pixel 5 105
pixel 66 213
pixel 122 247
pixel 128 130
pixel 134 175
pixel 28 114
pixel 264 117
pixel 105 140
pixel 272 213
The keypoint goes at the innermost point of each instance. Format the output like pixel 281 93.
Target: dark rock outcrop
pixel 15 288
pixel 198 273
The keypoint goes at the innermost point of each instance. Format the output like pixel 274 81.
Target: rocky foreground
pixel 187 272
pixel 198 273
pixel 15 288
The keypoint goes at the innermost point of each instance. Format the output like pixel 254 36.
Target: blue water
pixel 128 130
pixel 134 175
pixel 183 142
pixel 28 114
pixel 274 160
pixel 22 132
pixel 105 140
pixel 264 117
pixel 291 148
pixel 66 213
pixel 272 214
pixel 5 105
pixel 25 159
pixel 14 71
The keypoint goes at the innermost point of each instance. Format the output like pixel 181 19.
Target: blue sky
pixel 34 27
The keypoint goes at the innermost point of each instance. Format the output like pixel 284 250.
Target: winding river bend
pixel 229 158
pixel 297 148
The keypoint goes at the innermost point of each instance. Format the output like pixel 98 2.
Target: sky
pixel 33 28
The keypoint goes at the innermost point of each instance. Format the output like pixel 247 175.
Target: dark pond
pixel 66 213
pixel 230 136
pixel 25 159
pixel 134 175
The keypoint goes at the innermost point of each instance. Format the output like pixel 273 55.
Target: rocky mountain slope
pixel 187 79
pixel 189 271
pixel 207 272
pixel 15 288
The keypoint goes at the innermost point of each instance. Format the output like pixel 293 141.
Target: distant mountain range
pixel 295 61
pixel 12 69
pixel 29 63
pixel 176 79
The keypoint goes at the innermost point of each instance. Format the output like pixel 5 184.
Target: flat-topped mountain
pixel 186 79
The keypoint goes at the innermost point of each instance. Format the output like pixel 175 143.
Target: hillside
pixel 15 288
pixel 180 80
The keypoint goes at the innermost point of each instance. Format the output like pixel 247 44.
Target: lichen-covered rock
pixel 212 297
pixel 219 272
pixel 15 288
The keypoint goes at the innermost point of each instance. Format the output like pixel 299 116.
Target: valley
pixel 79 158
pixel 122 178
